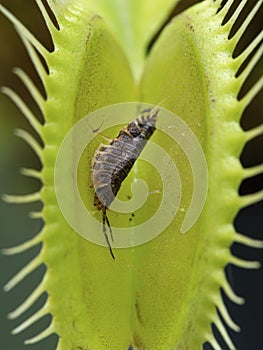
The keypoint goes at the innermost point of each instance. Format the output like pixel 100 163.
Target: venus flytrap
pixel 164 294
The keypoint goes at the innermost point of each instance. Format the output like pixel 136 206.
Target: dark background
pixel 16 227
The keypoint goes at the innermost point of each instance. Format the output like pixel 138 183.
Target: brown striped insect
pixel 112 163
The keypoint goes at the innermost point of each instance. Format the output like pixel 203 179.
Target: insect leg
pixel 105 219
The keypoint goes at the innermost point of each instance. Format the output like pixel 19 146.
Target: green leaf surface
pixel 134 24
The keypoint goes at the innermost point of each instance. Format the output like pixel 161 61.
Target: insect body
pixel 112 163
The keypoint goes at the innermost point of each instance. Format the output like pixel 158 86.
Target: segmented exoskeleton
pixel 112 163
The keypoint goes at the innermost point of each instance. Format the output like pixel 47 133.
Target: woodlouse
pixel 112 163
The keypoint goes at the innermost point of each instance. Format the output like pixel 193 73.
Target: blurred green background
pixel 16 227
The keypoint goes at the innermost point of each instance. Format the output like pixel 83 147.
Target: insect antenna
pixel 106 220
pixel 152 110
pixel 96 131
